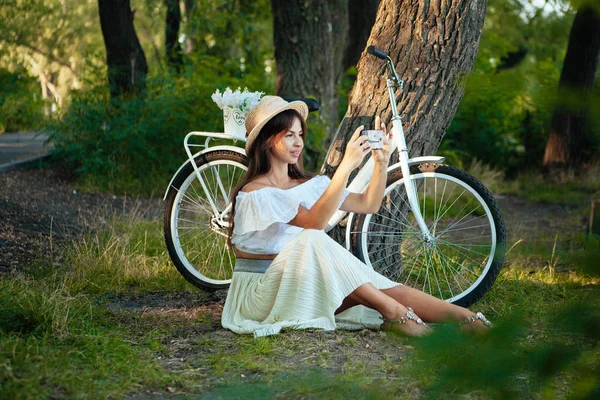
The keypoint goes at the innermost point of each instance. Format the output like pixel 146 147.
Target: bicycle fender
pixel 223 147
pixel 418 160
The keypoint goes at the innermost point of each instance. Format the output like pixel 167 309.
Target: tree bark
pixel 127 67
pixel 433 46
pixel 304 52
pixel 172 23
pixel 340 23
pixel 362 15
pixel 315 42
pixel 569 144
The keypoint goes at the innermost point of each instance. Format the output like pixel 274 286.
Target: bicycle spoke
pixel 415 259
pixel 200 247
pixel 459 221
pixel 462 229
pixel 464 248
pixel 467 269
pixel 407 223
pixel 476 262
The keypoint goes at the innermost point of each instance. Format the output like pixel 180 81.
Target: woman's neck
pixel 278 175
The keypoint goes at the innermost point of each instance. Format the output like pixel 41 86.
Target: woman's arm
pixel 327 204
pixel 369 201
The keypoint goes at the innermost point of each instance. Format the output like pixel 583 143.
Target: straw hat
pixel 268 107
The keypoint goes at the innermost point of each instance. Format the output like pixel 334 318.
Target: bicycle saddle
pixel 312 104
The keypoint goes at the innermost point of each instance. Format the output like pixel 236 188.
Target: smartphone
pixel 375 137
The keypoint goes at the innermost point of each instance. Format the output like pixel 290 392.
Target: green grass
pixel 56 343
pixel 117 320
pixel 565 188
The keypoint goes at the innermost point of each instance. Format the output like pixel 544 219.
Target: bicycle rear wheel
pixel 469 239
pixel 196 238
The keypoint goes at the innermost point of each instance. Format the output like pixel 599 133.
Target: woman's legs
pixel 431 308
pixel 392 303
pixel 369 296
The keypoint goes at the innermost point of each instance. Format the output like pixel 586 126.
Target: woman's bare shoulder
pixel 261 184
pixel 254 185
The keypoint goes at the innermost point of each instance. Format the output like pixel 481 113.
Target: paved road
pixel 21 146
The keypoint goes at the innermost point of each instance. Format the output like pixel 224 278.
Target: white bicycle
pixel 438 228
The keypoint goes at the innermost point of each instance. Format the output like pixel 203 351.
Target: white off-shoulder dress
pixel 307 281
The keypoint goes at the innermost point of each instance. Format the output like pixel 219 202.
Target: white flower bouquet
pixel 236 106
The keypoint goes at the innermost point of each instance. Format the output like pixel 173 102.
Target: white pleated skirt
pixel 300 289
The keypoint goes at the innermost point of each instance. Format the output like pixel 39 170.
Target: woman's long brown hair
pixel 259 152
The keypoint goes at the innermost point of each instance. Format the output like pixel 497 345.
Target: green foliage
pixel 236 37
pixel 505 114
pixel 20 105
pixel 59 42
pixel 134 145
pixel 507 365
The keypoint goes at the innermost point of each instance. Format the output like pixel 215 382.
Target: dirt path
pixel 40 210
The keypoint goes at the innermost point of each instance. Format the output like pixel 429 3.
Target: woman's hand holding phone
pixel 356 150
pixel 384 153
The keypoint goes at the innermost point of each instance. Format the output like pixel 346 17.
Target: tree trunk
pixel 172 47
pixel 569 144
pixel 340 32
pixel 315 42
pixel 127 67
pixel 305 50
pixel 361 19
pixel 433 47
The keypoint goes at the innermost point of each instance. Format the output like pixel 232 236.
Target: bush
pixel 20 106
pixel 134 145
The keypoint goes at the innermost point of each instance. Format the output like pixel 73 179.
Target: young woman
pixel 289 273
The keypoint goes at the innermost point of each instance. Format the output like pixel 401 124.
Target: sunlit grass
pixel 124 256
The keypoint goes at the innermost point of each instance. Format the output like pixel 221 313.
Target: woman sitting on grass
pixel 289 273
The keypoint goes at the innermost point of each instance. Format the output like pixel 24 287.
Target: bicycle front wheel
pixel 462 260
pixel 195 235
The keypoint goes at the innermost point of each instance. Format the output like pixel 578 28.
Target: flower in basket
pixel 236 103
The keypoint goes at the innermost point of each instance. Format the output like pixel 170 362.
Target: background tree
pixel 172 23
pixel 303 37
pixel 570 143
pixel 504 117
pixel 315 42
pixel 125 59
pixel 361 17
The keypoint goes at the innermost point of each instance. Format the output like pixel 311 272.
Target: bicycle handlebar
pixel 393 75
pixel 377 52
